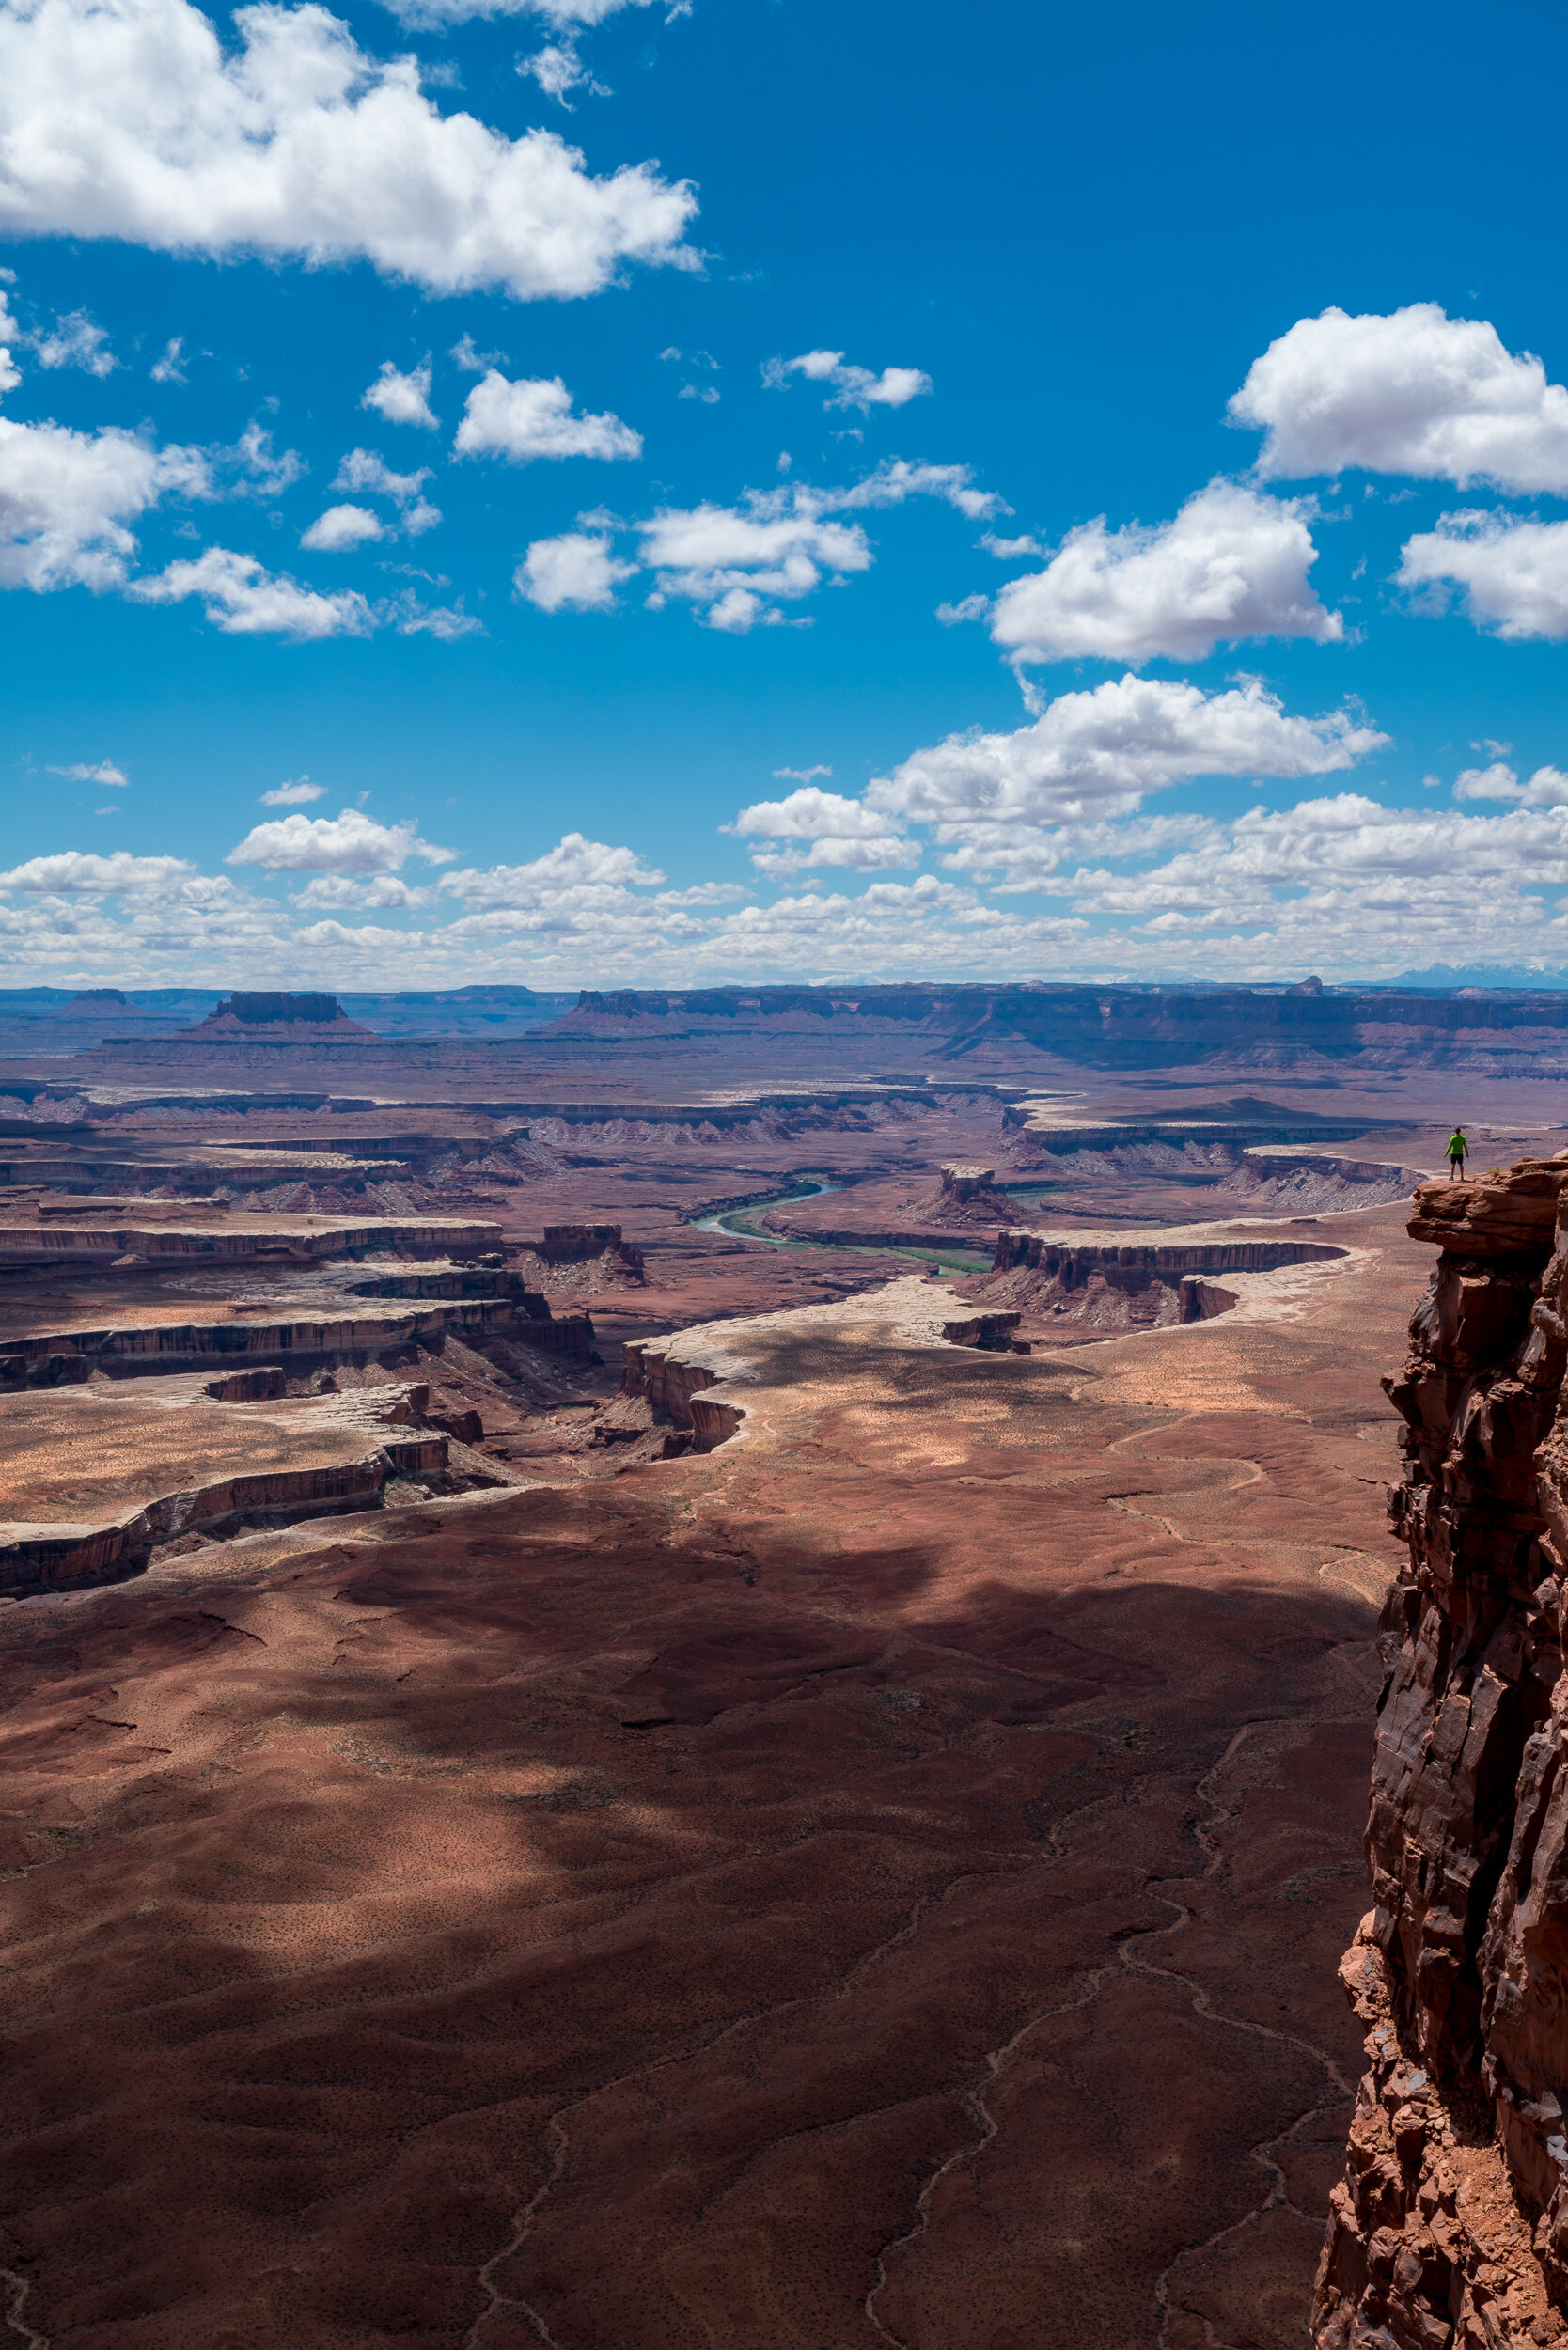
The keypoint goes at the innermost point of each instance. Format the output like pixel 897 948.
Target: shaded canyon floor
pixel 879 1882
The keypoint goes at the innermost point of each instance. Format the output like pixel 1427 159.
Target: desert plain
pixel 670 1684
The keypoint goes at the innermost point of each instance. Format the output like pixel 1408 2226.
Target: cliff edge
pixel 1449 2230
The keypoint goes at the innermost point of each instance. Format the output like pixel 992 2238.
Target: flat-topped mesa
pixel 1139 1281
pixel 1450 2227
pixel 223 1475
pixel 579 1244
pixel 967 1183
pixel 142 1349
pixel 991 1334
pixel 241 1014
pixel 1072 1261
pixel 259 1236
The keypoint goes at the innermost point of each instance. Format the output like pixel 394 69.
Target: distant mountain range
pixel 1449 976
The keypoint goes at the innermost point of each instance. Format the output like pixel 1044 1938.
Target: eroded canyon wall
pixel 1449 2230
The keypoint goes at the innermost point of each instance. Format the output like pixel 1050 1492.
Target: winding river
pixel 736 1224
pixel 805 1187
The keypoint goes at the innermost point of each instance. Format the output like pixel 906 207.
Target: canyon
pixel 707 1673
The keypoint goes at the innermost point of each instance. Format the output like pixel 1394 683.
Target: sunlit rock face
pixel 1450 2226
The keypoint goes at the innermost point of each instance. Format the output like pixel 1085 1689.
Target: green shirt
pixel 1457 1146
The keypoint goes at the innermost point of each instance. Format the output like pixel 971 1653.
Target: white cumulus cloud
pixel 824 829
pixel 104 771
pixel 76 341
pixel 1514 573
pixel 364 471
pixel 68 499
pixel 852 387
pixel 253 468
pixel 402 398
pixel 466 355
pixel 350 843
pixel 741 564
pixel 803 814
pixel 244 598
pixel 558 67
pixel 890 927
pixel 1094 755
pixel 1361 873
pixel 10 333
pixel 446 622
pixel 1233 564
pixel 381 893
pixel 1025 801
pixel 1413 392
pixel 340 528
pixel 72 873
pixel 579 871
pixel 1340 883
pixel 1547 788
pixel 296 793
pixel 779 544
pixel 896 480
pixel 126 118
pixel 536 418
pixel 576 572
pixel 565 16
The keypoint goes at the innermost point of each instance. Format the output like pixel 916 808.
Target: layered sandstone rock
pixel 274 1016
pixel 576 1244
pixel 671 1379
pixel 1206 1249
pixel 302 1343
pixel 963 1183
pixel 1114 1282
pixel 1450 2227
pixel 993 1334
pixel 91 1490
pixel 257 1236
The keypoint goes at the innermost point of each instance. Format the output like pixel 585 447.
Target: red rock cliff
pixel 1449 2231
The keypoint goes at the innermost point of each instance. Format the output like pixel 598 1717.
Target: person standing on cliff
pixel 1458 1153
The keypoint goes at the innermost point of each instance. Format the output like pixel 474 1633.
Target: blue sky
pixel 821 547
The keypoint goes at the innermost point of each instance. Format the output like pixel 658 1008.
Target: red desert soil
pixel 879 1883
